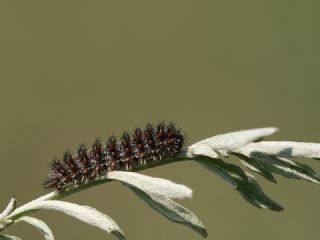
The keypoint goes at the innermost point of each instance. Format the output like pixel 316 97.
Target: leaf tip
pixel 271 130
pixel 277 208
pixel 203 232
pixel 119 234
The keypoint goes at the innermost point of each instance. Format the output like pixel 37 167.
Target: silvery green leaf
pixel 283 166
pixel 172 210
pixel 10 207
pixel 201 149
pixel 224 143
pixel 8 237
pixel 256 166
pixel 86 214
pixel 40 225
pixel 286 149
pixel 242 181
pixel 151 185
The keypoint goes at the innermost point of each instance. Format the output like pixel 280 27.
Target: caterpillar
pixel 136 150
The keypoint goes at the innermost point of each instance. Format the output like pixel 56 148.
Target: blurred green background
pixel 71 71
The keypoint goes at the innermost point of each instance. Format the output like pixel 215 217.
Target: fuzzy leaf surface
pixel 257 166
pixel 172 210
pixel 39 225
pixel 282 166
pixel 10 207
pixel 152 185
pixel 285 149
pixel 242 181
pixel 86 214
pixel 224 143
pixel 8 237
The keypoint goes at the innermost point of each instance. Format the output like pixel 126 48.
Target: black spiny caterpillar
pixel 139 149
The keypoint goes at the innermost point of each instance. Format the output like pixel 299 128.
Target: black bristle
pixel 150 141
pixel 138 145
pixel 97 159
pixel 83 164
pixel 112 155
pixel 71 167
pixel 142 147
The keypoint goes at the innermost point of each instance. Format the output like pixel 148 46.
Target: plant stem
pixel 55 195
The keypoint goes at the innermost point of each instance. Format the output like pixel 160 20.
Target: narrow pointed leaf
pixel 286 149
pixel 283 166
pixel 172 210
pixel 257 167
pixel 226 142
pixel 86 214
pixel 8 237
pixel 40 225
pixel 152 185
pixel 242 181
pixel 10 207
pixel 201 149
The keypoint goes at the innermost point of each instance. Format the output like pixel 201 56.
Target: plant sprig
pixel 262 157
